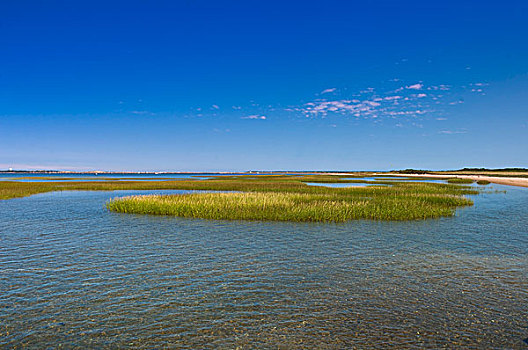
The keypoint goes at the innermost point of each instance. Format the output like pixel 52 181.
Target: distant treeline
pixel 486 169
pixel 413 171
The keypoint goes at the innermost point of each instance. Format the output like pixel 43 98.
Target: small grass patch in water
pixel 483 182
pixel 457 180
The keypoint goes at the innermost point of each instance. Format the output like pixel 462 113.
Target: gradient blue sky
pixel 239 85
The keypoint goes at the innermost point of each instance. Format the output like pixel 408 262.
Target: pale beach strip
pixel 511 181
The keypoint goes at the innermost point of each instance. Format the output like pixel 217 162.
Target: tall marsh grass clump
pixel 457 180
pixel 336 205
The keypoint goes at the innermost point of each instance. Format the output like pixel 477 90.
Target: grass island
pixel 285 197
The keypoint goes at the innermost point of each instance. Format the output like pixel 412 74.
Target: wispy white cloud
pixel 369 108
pixel 441 87
pixel 416 112
pixel 216 130
pixel 415 86
pixel 406 103
pixel 368 90
pixel 142 113
pixel 322 108
pixel 452 132
pixel 372 105
pixel 255 117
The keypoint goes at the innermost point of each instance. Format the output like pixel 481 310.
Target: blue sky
pixel 241 85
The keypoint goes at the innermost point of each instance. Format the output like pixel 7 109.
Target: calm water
pixel 74 275
pixel 35 177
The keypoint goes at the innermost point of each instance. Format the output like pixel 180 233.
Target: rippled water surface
pixel 75 275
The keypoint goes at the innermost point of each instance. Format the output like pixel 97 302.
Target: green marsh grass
pixel 402 201
pixel 273 197
pixel 290 206
pixel 483 182
pixel 456 180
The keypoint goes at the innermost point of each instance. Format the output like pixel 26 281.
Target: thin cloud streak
pixel 452 132
pixel 415 87
pixel 255 117
pixel 327 91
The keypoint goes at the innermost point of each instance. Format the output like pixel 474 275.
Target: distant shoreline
pixel 249 172
pixel 502 179
pixel 510 181
pixel 148 172
pixel 412 172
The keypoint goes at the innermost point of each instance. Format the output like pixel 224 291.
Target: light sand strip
pixel 511 181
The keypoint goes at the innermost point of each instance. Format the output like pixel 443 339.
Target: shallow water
pixel 35 177
pixel 76 275
pixel 410 179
